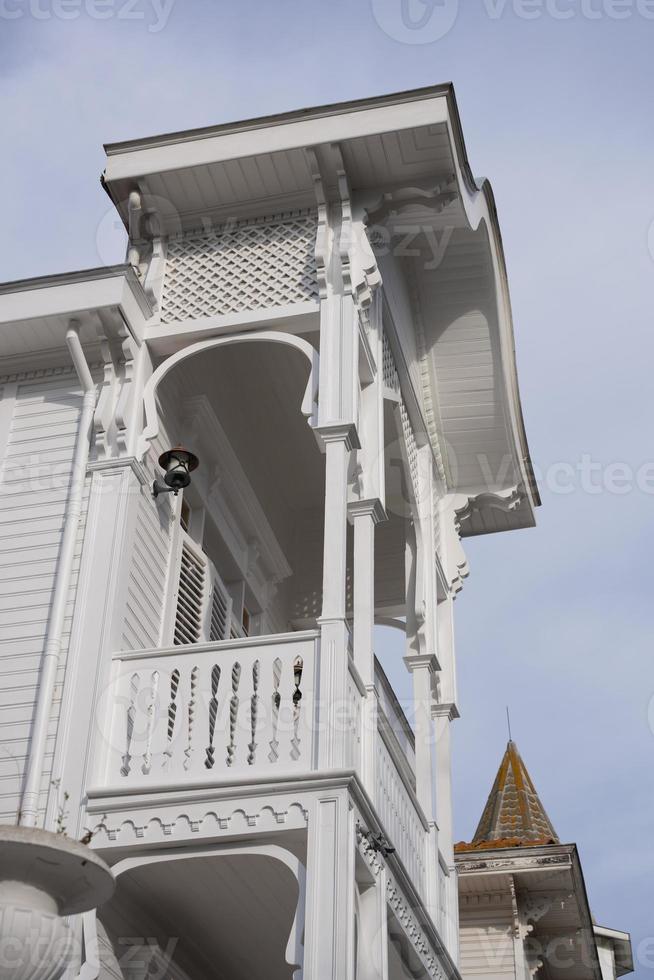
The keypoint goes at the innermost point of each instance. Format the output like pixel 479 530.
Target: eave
pixel 541 869
pixel 35 313
pixel 620 943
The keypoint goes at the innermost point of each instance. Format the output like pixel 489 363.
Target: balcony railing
pixel 213 711
pixel 220 712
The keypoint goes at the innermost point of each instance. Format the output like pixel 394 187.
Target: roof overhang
pixel 35 313
pixel 406 164
pixel 550 876
pixel 619 943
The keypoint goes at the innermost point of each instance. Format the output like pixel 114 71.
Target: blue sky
pixel 556 104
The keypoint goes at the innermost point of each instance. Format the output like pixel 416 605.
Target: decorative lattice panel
pixel 390 375
pixel 411 449
pixel 239 267
pixel 392 381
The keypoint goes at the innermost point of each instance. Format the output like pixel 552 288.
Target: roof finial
pixel 508 722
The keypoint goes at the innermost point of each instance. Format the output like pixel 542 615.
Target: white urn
pixel 44 877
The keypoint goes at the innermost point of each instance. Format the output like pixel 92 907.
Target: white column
pixel 333 734
pixel 115 491
pixel 444 714
pixel 329 922
pixel 364 516
pixel 372 961
pixel 422 668
pixel 339 442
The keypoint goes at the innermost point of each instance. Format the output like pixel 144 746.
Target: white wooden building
pixel 316 306
pixel 524 909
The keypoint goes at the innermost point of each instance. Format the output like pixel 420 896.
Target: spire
pixel 513 811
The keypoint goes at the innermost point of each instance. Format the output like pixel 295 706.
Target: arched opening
pixel 254 513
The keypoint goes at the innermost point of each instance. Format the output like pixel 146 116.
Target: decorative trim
pixel 431 408
pixel 240 266
pixel 275 218
pixel 206 823
pixel 415 661
pixel 433 955
pixel 82 275
pixel 510 864
pixel 36 374
pixel 309 400
pixel 340 432
pixel 503 500
pixel 110 465
pixel 445 709
pixel 7 409
pixel 433 197
pixel 240 643
pixel 372 508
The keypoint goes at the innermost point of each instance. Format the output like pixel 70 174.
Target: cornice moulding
pixel 340 432
pixel 447 710
pixel 113 465
pixel 66 290
pixel 372 507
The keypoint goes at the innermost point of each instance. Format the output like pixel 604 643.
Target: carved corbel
pixel 154 277
pixel 532 908
pixel 322 248
pixel 456 563
pixel 502 500
pixel 358 263
pixel 117 348
pixel 357 266
pixel 431 197
pixel 123 413
pixel 104 409
pixel 456 509
pixel 525 914
pixel 134 218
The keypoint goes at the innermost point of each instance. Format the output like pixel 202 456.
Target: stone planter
pixel 43 877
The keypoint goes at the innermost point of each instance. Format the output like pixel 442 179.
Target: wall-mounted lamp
pixel 178 464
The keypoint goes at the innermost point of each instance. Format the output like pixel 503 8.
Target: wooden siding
pixel 486 936
pixel 148 575
pixel 34 484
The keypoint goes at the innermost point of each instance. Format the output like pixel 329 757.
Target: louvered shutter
pixel 191 593
pixel 220 612
pixel 204 605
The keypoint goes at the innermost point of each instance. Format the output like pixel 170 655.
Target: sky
pixel 556 104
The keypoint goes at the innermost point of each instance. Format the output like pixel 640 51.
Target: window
pixel 206 609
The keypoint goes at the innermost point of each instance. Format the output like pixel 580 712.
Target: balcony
pixel 248 710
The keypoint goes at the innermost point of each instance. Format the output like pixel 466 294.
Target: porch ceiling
pixel 231 915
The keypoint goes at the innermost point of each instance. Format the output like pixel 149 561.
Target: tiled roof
pixel 513 812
